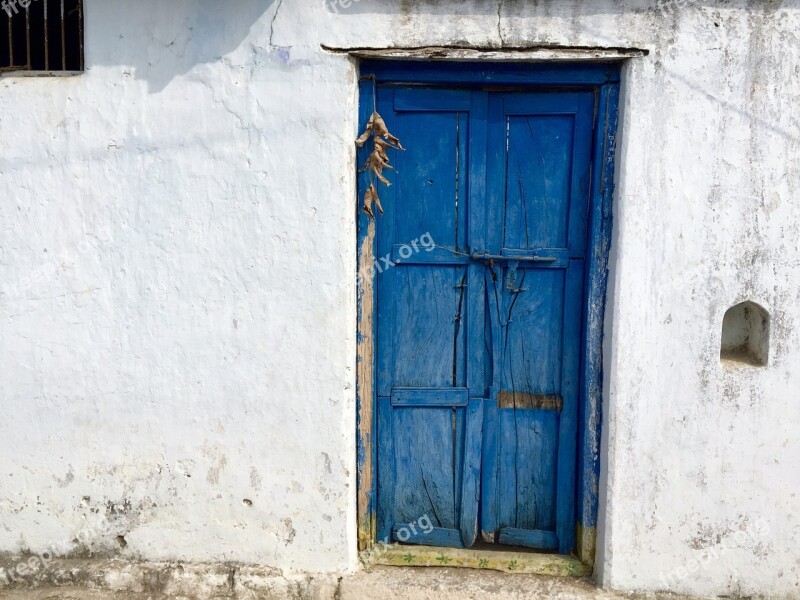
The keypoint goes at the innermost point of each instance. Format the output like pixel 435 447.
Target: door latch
pixel 512 263
pixel 486 257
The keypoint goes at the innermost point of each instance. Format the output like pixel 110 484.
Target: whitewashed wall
pixel 177 306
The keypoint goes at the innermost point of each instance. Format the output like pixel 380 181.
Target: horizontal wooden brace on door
pixel 405 254
pixel 430 397
pixel 529 538
pixel 434 536
pixel 530 401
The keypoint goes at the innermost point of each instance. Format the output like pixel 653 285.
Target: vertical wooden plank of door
pixel 477 368
pixel 384 282
pixel 461 351
pixel 386 472
pixel 571 378
pixel 472 468
pixel 492 242
pixel 479 365
pixel 568 426
pixel 384 349
pixel 489 483
pixel 580 185
pixel 594 310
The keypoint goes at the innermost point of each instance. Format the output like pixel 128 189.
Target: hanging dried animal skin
pixel 370 197
pixel 368 200
pixel 362 139
pixel 376 163
pixel 376 198
pixel 379 126
pixel 383 145
pixel 378 159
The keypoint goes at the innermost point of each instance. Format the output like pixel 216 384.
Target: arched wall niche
pixel 745 335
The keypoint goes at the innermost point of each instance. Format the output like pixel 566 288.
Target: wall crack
pixel 272 23
pixel 500 23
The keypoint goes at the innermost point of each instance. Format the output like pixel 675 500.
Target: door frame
pixel 602 78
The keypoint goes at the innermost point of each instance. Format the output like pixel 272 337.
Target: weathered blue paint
pixel 470 492
pixel 366 447
pixel 506 176
pixel 600 224
pixel 421 339
pixel 430 397
pixel 524 74
pixel 544 540
pixel 411 533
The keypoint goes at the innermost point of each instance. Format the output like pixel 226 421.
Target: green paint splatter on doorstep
pixel 507 562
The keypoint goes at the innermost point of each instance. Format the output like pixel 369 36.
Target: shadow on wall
pixel 195 32
pixel 161 40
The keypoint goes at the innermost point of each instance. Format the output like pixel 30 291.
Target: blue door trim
pixel 603 80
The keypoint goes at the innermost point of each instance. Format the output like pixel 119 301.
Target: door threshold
pixel 529 563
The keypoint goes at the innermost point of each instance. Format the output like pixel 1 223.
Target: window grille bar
pixel 79 8
pixel 63 38
pixel 28 63
pixel 46 39
pixel 10 44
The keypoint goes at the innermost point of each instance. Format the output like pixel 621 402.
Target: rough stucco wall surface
pixel 177 278
pixel 178 318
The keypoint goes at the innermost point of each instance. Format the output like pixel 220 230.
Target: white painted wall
pixel 177 277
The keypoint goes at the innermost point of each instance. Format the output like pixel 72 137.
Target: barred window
pixel 41 35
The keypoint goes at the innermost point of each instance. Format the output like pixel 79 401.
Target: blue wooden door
pixel 479 316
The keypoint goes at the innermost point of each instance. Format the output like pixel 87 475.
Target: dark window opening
pixel 41 35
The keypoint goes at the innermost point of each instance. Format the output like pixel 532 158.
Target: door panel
pixel 426 471
pixel 530 355
pixel 429 446
pixel 416 323
pixel 530 376
pixel 478 364
pixel 429 181
pixel 428 343
pixel 549 144
pixel 539 166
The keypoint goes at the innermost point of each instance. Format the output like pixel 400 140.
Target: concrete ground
pixel 466 584
pixel 69 594
pixel 386 583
